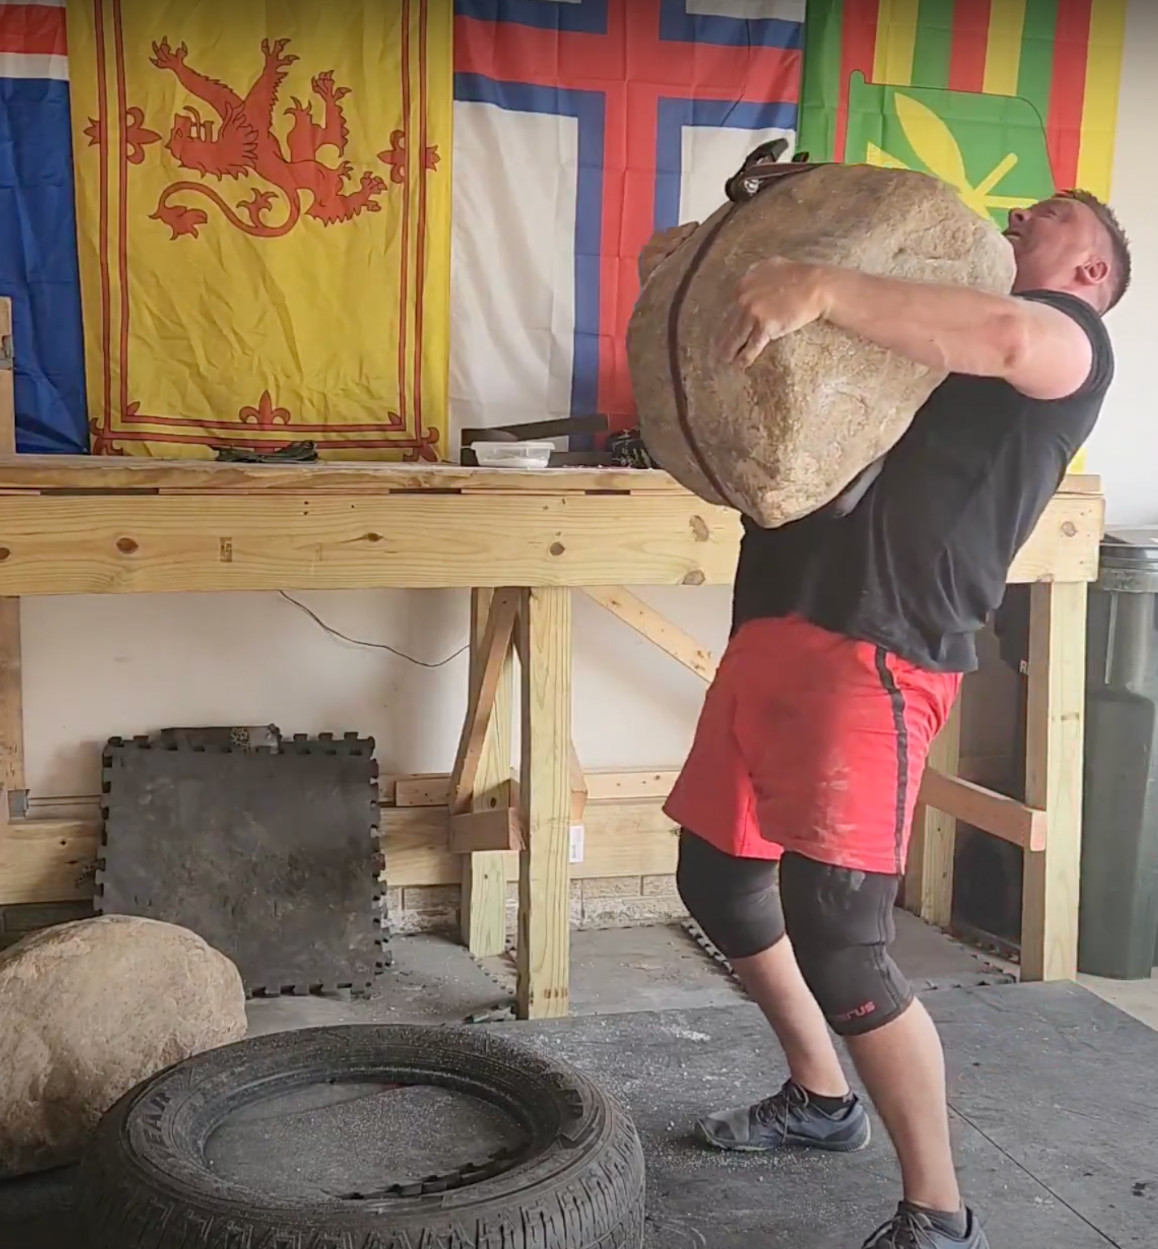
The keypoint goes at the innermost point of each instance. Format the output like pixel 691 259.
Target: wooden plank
pixel 95 544
pixel 1064 546
pixel 993 813
pixel 483 911
pixel 621 786
pixel 495 830
pixel 110 543
pixel 429 789
pixel 11 699
pixel 47 860
pixel 578 787
pixel 543 948
pixel 654 626
pixel 620 839
pixel 432 789
pixel 493 655
pixel 1053 780
pixel 54 860
pixel 1081 483
pixel 82 472
pixel 929 872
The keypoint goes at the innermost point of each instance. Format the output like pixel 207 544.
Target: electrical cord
pixel 378 646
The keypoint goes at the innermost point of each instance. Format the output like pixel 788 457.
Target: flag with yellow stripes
pixel 263 207
pixel 1007 100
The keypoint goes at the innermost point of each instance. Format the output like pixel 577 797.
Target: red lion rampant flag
pixel 264 224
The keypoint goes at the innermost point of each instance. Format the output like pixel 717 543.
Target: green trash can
pixel 1118 927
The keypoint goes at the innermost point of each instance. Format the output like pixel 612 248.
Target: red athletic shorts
pixel 813 743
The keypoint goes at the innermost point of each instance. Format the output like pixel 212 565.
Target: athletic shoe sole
pixel 839 1147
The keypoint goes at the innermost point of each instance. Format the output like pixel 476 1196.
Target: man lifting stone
pixel 851 631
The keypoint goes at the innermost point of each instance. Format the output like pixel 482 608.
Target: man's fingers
pixel 759 338
pixel 737 330
pixel 745 336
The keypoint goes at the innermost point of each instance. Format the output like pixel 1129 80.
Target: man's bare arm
pixel 1037 349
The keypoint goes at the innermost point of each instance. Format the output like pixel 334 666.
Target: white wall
pixel 96 667
pixel 1124 447
pixel 101 666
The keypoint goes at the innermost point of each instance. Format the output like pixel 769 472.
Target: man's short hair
pixel 1119 243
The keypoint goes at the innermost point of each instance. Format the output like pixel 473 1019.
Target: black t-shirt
pixel 922 559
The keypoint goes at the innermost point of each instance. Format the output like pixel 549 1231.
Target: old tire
pixel 576 1182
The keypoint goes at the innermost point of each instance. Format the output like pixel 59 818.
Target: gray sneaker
pixel 911 1228
pixel 787 1119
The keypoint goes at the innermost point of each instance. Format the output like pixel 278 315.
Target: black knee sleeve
pixel 841 924
pixel 735 901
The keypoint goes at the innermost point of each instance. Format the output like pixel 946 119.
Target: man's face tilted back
pixel 1060 245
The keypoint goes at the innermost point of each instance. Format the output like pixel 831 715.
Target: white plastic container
pixel 513 454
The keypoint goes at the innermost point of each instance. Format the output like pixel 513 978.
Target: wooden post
pixel 483 911
pixel 11 694
pixel 544 630
pixel 929 875
pixel 1055 729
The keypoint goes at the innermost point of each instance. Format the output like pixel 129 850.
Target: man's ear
pixel 1095 271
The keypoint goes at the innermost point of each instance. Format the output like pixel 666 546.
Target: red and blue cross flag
pixel 580 127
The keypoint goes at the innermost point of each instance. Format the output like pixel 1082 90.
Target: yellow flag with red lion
pixel 263 205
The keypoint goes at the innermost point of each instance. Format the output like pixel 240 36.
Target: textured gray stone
pixel 784 437
pixel 87 1011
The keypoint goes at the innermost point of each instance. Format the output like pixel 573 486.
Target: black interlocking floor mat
pixel 271 855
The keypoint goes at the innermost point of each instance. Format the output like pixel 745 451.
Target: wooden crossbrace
pixel 496 644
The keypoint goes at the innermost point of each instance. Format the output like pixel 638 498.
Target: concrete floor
pixel 613 971
pixel 1138 998
pixel 616 973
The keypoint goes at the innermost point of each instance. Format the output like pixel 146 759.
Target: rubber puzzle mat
pixel 267 848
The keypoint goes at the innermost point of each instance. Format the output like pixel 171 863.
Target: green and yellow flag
pixel 1008 100
pixel 263 204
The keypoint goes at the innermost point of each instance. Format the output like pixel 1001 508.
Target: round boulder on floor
pixel 89 1010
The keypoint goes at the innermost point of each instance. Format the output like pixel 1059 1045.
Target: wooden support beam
pixel 544 942
pixel 1055 727
pixel 483 911
pixel 83 472
pixel 494 650
pixel 658 630
pixel 496 830
pixel 622 786
pixel 929 874
pixel 97 543
pixel 578 788
pixel 430 789
pixel 93 541
pixel 620 839
pixel 11 701
pixel 993 813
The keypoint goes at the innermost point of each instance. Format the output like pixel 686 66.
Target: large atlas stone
pixel 89 1010
pixel 785 436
